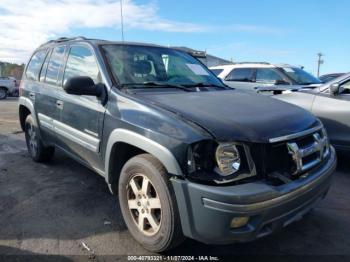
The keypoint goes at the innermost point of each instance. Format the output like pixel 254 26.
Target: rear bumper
pixel 206 211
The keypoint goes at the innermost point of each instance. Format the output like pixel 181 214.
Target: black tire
pixel 169 233
pixel 3 93
pixel 36 148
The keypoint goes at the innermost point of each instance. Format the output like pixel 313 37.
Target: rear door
pixel 47 96
pixel 81 123
pixel 241 78
pixel 334 111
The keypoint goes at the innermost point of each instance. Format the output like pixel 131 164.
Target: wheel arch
pixel 123 144
pixel 25 108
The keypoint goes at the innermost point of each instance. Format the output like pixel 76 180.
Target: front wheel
pixel 148 204
pixel 36 148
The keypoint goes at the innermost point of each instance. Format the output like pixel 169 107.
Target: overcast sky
pixel 252 30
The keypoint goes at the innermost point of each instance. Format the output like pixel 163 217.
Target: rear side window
pixel 241 74
pixel 81 62
pixel 217 71
pixel 34 66
pixel 267 75
pixel 54 65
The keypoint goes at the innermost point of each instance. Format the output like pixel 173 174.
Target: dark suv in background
pixel 186 155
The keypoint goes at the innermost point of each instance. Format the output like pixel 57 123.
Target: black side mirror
pixel 334 89
pixel 82 85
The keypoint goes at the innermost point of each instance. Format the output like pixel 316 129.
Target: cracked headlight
pixel 219 162
pixel 227 158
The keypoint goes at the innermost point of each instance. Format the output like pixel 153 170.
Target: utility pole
pixel 319 63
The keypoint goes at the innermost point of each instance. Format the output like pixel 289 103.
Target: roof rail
pixel 64 39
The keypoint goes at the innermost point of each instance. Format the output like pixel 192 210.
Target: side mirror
pixel 334 89
pixel 82 85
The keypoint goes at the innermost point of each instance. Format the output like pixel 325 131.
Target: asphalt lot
pixel 54 208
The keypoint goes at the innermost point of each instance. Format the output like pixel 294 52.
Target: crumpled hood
pixel 235 115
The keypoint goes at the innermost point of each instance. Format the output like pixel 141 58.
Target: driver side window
pixel 81 62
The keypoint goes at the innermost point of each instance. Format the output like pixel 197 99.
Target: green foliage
pixel 9 69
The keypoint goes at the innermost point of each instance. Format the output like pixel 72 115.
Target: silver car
pixel 251 76
pixel 331 103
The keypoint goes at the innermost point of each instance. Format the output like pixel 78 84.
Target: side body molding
pixel 144 143
pixel 28 104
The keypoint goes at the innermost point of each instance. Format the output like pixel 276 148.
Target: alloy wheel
pixel 144 204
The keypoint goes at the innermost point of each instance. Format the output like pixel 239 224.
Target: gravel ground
pixel 58 208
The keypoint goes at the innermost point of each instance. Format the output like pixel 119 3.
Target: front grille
pixel 292 158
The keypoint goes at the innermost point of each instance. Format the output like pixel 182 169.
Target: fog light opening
pixel 238 222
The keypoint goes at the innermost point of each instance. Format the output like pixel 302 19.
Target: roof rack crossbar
pixel 64 39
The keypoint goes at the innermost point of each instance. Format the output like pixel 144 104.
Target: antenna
pixel 121 19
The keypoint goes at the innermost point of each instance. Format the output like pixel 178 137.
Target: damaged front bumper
pixel 207 211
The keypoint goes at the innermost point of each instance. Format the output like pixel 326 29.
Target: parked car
pixel 331 103
pixel 329 77
pixel 185 155
pixel 250 76
pixel 8 86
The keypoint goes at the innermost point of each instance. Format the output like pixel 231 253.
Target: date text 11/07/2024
pixel 173 258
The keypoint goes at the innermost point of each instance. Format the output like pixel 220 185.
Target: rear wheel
pixel 3 93
pixel 148 204
pixel 36 148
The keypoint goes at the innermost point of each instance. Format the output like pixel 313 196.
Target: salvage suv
pixel 186 155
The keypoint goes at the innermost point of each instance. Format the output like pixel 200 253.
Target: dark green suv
pixel 185 155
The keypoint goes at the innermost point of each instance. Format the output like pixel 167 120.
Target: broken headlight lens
pixel 214 162
pixel 227 158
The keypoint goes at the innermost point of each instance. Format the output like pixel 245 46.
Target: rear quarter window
pixel 34 65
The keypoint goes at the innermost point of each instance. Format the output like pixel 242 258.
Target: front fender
pixel 144 143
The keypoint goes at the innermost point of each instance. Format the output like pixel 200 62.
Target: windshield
pixel 141 65
pixel 300 76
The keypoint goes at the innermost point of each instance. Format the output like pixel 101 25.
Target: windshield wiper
pixel 201 84
pixel 309 83
pixel 156 84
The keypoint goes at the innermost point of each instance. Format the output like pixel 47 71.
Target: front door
pixel 81 125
